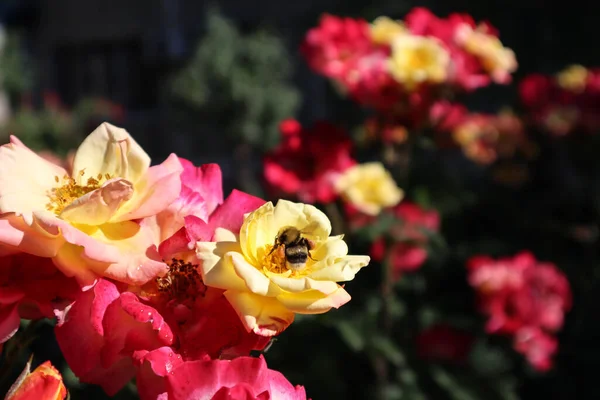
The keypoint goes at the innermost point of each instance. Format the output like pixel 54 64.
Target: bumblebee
pixel 296 248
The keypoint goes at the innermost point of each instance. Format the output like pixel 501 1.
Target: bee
pixel 296 248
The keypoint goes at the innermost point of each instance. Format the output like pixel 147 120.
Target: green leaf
pixel 351 335
pixel 384 346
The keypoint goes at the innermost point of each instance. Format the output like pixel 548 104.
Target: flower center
pixel 182 281
pixel 70 190
pixel 275 261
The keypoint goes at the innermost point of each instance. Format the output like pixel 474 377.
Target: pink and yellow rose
pixel 85 221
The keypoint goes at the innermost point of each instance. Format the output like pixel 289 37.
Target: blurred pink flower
pixel 520 294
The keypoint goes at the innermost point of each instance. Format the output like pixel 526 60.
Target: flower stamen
pixel 182 281
pixel 70 190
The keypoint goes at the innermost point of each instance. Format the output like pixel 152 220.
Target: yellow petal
pixel 313 301
pixel 110 150
pixel 255 280
pixel 325 252
pixel 256 232
pixel 264 316
pixel 311 221
pixel 224 235
pixel 25 178
pixel 98 206
pixel 302 284
pixel 216 268
pixel 344 269
pixel 71 263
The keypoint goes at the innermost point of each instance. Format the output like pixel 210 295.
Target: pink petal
pixel 131 325
pixel 243 375
pixel 281 388
pixel 160 187
pixel 81 338
pixel 155 365
pixel 184 384
pixel 229 215
pixel 36 238
pixel 205 180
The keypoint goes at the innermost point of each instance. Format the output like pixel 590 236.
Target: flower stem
pixel 19 343
pixel 381 364
pixel 338 225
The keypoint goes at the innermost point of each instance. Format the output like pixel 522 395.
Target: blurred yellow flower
pixel 573 78
pixel 497 60
pixel 384 30
pixel 255 277
pixel 369 188
pixel 418 59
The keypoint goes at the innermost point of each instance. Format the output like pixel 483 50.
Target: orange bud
pixel 44 383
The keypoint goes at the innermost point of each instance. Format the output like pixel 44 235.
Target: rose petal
pixel 130 325
pixel 255 280
pixel 110 150
pixel 205 180
pixel 81 339
pixel 313 302
pixel 99 206
pixel 154 191
pixel 35 237
pixel 217 269
pixel 44 383
pixel 25 178
pixel 344 269
pixel 262 315
pixel 311 221
pixel 302 284
pixel 138 260
pixel 155 365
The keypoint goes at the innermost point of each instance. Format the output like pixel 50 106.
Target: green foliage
pixel 15 69
pixel 239 80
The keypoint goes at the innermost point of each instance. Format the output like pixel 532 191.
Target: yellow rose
pixel 369 188
pixel 573 78
pixel 384 30
pixel 418 59
pixel 497 60
pixel 257 282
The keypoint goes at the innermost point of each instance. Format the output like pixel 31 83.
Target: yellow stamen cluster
pixel 275 262
pixel 181 282
pixel 70 190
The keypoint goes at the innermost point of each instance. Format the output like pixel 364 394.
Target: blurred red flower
pixel 307 162
pixel 442 342
pixel 410 236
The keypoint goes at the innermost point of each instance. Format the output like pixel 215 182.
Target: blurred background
pixel 213 81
